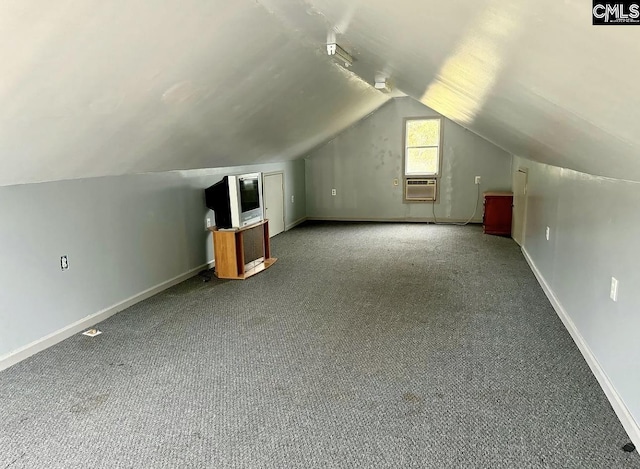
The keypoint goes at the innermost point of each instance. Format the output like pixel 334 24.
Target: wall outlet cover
pixel 333 192
pixel 547 233
pixel 477 179
pixel 64 263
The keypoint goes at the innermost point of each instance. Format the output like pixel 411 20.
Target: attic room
pixel 389 333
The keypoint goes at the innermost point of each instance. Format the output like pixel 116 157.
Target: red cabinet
pixel 497 213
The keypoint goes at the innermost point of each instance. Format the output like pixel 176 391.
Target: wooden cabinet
pixel 497 213
pixel 244 252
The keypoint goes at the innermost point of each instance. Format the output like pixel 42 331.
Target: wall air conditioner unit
pixel 420 189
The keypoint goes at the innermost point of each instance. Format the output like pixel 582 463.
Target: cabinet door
pixel 497 215
pixel 253 244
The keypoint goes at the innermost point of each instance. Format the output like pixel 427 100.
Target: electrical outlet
pixel 208 222
pixel 395 181
pixel 477 180
pixel 333 192
pixel 292 199
pixel 613 294
pixel 547 233
pixel 64 263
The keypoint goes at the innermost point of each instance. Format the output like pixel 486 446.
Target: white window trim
pixel 405 147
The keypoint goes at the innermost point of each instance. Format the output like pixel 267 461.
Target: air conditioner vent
pixel 420 189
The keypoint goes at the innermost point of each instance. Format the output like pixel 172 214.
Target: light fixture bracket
pixel 339 54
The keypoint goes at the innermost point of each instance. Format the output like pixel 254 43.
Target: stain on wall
pixel 362 162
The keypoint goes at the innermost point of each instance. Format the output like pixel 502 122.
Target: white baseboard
pixel 295 223
pixel 443 221
pixel 626 419
pixel 22 353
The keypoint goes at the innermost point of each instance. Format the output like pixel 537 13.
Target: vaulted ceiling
pixel 91 88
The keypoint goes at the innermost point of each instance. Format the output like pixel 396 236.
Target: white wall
pixel 362 162
pixel 594 235
pixel 122 235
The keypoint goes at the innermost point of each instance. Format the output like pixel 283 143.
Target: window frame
pixel 438 174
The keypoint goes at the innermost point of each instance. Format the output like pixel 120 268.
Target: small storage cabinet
pixel 497 213
pixel 244 252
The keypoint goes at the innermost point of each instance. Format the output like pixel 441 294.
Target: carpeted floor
pixel 364 346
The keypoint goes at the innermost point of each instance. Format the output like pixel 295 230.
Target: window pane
pixel 422 161
pixel 423 133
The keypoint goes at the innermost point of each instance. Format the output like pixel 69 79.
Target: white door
pixel 273 187
pixel 519 205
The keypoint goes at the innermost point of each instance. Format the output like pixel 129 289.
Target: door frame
pixel 523 230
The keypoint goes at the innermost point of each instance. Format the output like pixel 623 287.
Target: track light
pixel 339 54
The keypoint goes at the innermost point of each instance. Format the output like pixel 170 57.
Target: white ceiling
pixel 91 88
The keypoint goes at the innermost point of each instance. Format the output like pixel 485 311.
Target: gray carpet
pixel 364 346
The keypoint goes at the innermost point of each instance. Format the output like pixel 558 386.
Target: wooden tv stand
pixel 243 252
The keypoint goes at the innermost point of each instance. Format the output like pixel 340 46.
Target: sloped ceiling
pixel 536 78
pixel 92 88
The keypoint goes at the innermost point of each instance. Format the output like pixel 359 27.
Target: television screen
pixel 249 195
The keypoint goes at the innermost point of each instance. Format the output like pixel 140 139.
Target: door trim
pixel 522 231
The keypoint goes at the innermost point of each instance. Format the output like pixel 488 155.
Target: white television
pixel 236 200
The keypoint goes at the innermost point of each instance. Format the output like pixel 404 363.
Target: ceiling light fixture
pixel 382 85
pixel 339 54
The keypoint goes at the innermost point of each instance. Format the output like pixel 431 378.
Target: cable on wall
pixel 475 210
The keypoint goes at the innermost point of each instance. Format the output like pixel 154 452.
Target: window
pixel 422 147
